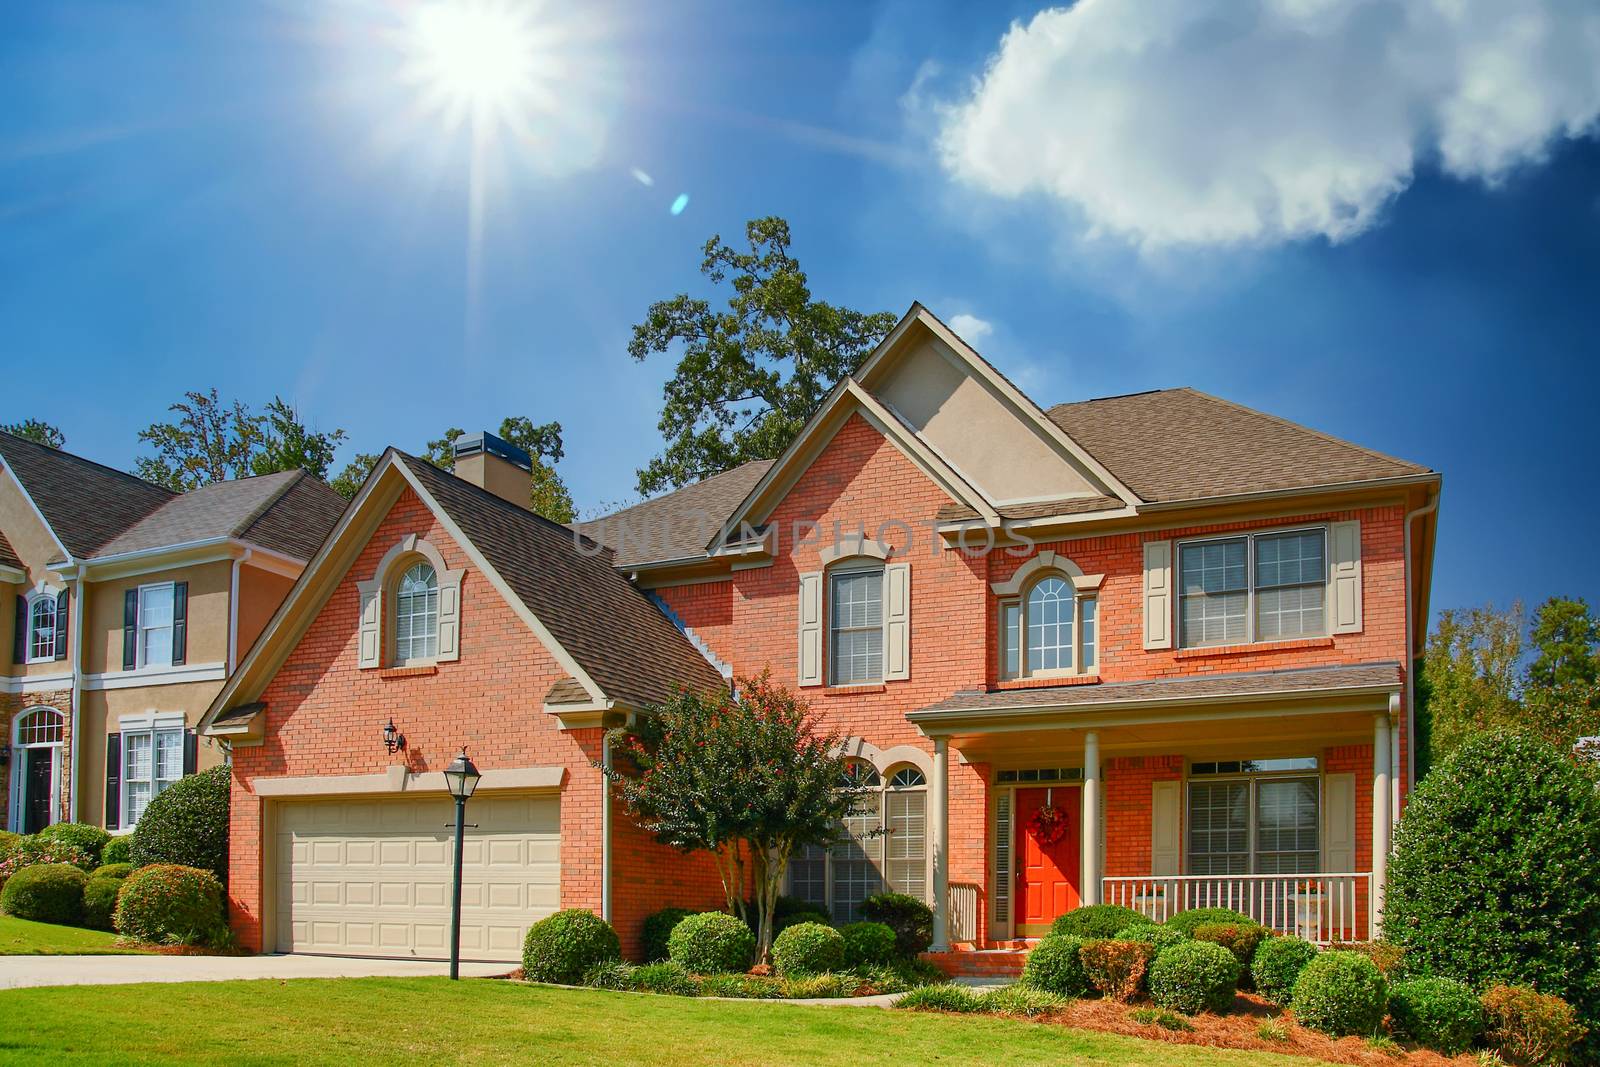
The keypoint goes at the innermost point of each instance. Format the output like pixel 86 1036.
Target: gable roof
pixel 8 555
pixel 1173 445
pixel 677 525
pixel 289 512
pixel 85 504
pixel 571 585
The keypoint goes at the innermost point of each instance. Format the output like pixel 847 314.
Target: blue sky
pixel 249 196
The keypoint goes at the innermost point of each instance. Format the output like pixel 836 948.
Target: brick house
pixel 126 607
pixel 1152 649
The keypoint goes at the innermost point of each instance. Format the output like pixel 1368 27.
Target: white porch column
pixel 939 791
pixel 1089 865
pixel 1381 820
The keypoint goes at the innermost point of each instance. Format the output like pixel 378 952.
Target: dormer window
pixel 416 615
pixel 410 608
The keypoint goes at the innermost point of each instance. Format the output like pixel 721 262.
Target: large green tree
pixel 748 376
pixel 36 430
pixel 1470 670
pixel 287 444
pixel 1566 641
pixel 750 777
pixel 211 441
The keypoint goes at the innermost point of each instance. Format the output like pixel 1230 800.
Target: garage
pixel 360 877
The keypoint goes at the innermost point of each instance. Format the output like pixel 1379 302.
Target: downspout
pixel 1411 656
pixel 77 694
pixel 233 611
pixel 605 826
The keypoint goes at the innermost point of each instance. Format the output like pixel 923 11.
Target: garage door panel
pixel 358 878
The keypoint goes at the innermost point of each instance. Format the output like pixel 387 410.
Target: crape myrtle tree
pixel 748 776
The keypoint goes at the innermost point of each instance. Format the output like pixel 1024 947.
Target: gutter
pixel 1411 655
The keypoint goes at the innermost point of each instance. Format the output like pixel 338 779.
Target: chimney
pixel 490 463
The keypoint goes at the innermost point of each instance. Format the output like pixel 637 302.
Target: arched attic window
pixel 410 611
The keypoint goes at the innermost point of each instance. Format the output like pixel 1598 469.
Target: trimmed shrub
pixel 868 944
pixel 1185 921
pixel 1389 957
pixel 562 947
pixel 46 893
pixel 33 852
pixel 1440 1013
pixel 170 904
pixel 951 998
pixel 1193 977
pixel 187 824
pixel 1021 1002
pixel 112 870
pixel 808 948
pixel 8 843
pixel 665 977
pixel 909 918
pixel 1055 966
pixel 1529 1027
pixel 1096 921
pixel 1152 934
pixel 1241 939
pixel 1116 968
pixel 100 901
pixel 657 928
pixel 118 850
pixel 712 942
pixel 1277 963
pixel 1340 993
pixel 1494 878
pixel 89 838
pixel 786 912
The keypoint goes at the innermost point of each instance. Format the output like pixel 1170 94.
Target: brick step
pixel 979 963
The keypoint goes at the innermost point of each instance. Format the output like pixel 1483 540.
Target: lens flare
pixel 679 204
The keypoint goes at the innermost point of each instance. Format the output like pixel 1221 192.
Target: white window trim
pixel 1249 537
pixel 398 575
pixel 33 598
pixel 376 620
pixel 16 803
pixel 149 724
pixel 1020 601
pixel 139 627
pixel 1251 778
pixel 855 565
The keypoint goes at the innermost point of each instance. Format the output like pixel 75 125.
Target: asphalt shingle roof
pixel 8 555
pixel 85 503
pixel 288 512
pixel 679 524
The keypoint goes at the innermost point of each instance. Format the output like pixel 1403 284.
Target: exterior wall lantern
pixel 393 739
pixel 461 778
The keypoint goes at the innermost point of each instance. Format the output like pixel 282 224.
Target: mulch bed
pixel 1238 1030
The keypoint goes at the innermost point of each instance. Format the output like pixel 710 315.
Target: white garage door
pixel 363 877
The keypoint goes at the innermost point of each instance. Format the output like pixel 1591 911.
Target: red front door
pixel 1047 874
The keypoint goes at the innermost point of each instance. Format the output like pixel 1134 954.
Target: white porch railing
pixel 1321 908
pixel 963 912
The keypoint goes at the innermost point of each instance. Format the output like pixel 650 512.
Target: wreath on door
pixel 1048 824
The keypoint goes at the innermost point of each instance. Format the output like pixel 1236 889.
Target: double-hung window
pixel 42 628
pixel 855 626
pixel 152 759
pixel 1260 587
pixel 1254 817
pixel 156 619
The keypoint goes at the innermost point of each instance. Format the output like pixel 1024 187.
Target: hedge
pixel 1277 963
pixel 187 824
pixel 808 948
pixel 1160 936
pixel 170 904
pixel 712 942
pixel 1193 977
pixel 1185 921
pixel 1441 1013
pixel 46 893
pixel 118 850
pixel 868 944
pixel 909 918
pixel 1055 966
pixel 1096 921
pixel 100 901
pixel 1340 993
pixel 561 947
pixel 89 838
pixel 33 852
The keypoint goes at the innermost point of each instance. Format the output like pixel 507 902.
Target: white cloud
pixel 1225 122
pixel 970 328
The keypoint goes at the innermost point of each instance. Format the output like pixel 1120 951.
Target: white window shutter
pixel 1165 834
pixel 449 615
pixel 1339 823
pixel 1344 578
pixel 369 625
pixel 1158 594
pixel 811 628
pixel 897 622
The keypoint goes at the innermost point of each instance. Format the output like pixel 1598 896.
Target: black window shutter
pixel 113 781
pixel 63 602
pixel 130 629
pixel 180 622
pixel 191 751
pixel 19 645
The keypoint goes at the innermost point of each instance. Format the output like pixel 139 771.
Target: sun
pixel 476 56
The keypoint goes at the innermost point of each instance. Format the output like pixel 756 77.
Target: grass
pixel 433 1020
pixel 23 937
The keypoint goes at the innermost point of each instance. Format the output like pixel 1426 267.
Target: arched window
pixel 41 726
pixel 1050 618
pixel 905 820
pixel 883 847
pixel 1051 629
pixel 36 769
pixel 416 614
pixel 42 627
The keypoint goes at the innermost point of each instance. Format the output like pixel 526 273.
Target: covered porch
pixel 1270 793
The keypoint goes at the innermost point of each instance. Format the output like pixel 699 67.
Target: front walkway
pixel 17 972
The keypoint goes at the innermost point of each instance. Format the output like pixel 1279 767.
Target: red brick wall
pixel 1127 809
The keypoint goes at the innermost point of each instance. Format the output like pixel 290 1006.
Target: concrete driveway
pixel 17 972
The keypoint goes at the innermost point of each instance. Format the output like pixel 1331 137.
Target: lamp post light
pixel 461 778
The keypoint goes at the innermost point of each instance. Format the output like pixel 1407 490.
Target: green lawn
pixel 432 1020
pixel 23 937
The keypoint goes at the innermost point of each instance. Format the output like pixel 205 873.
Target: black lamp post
pixel 461 778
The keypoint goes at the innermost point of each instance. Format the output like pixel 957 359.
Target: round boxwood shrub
pixel 170 904
pixel 712 942
pixel 808 948
pixel 112 870
pixel 46 893
pixel 1152 934
pixel 1185 921
pixel 118 850
pixel 868 944
pixel 561 947
pixel 1494 877
pixel 1193 977
pixel 1441 1013
pixel 187 824
pixel 1340 993
pixel 89 838
pixel 657 928
pixel 1096 921
pixel 1278 962
pixel 1055 966
pixel 100 901
pixel 909 918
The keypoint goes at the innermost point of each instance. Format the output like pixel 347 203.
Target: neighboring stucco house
pixel 1152 649
pixel 126 607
